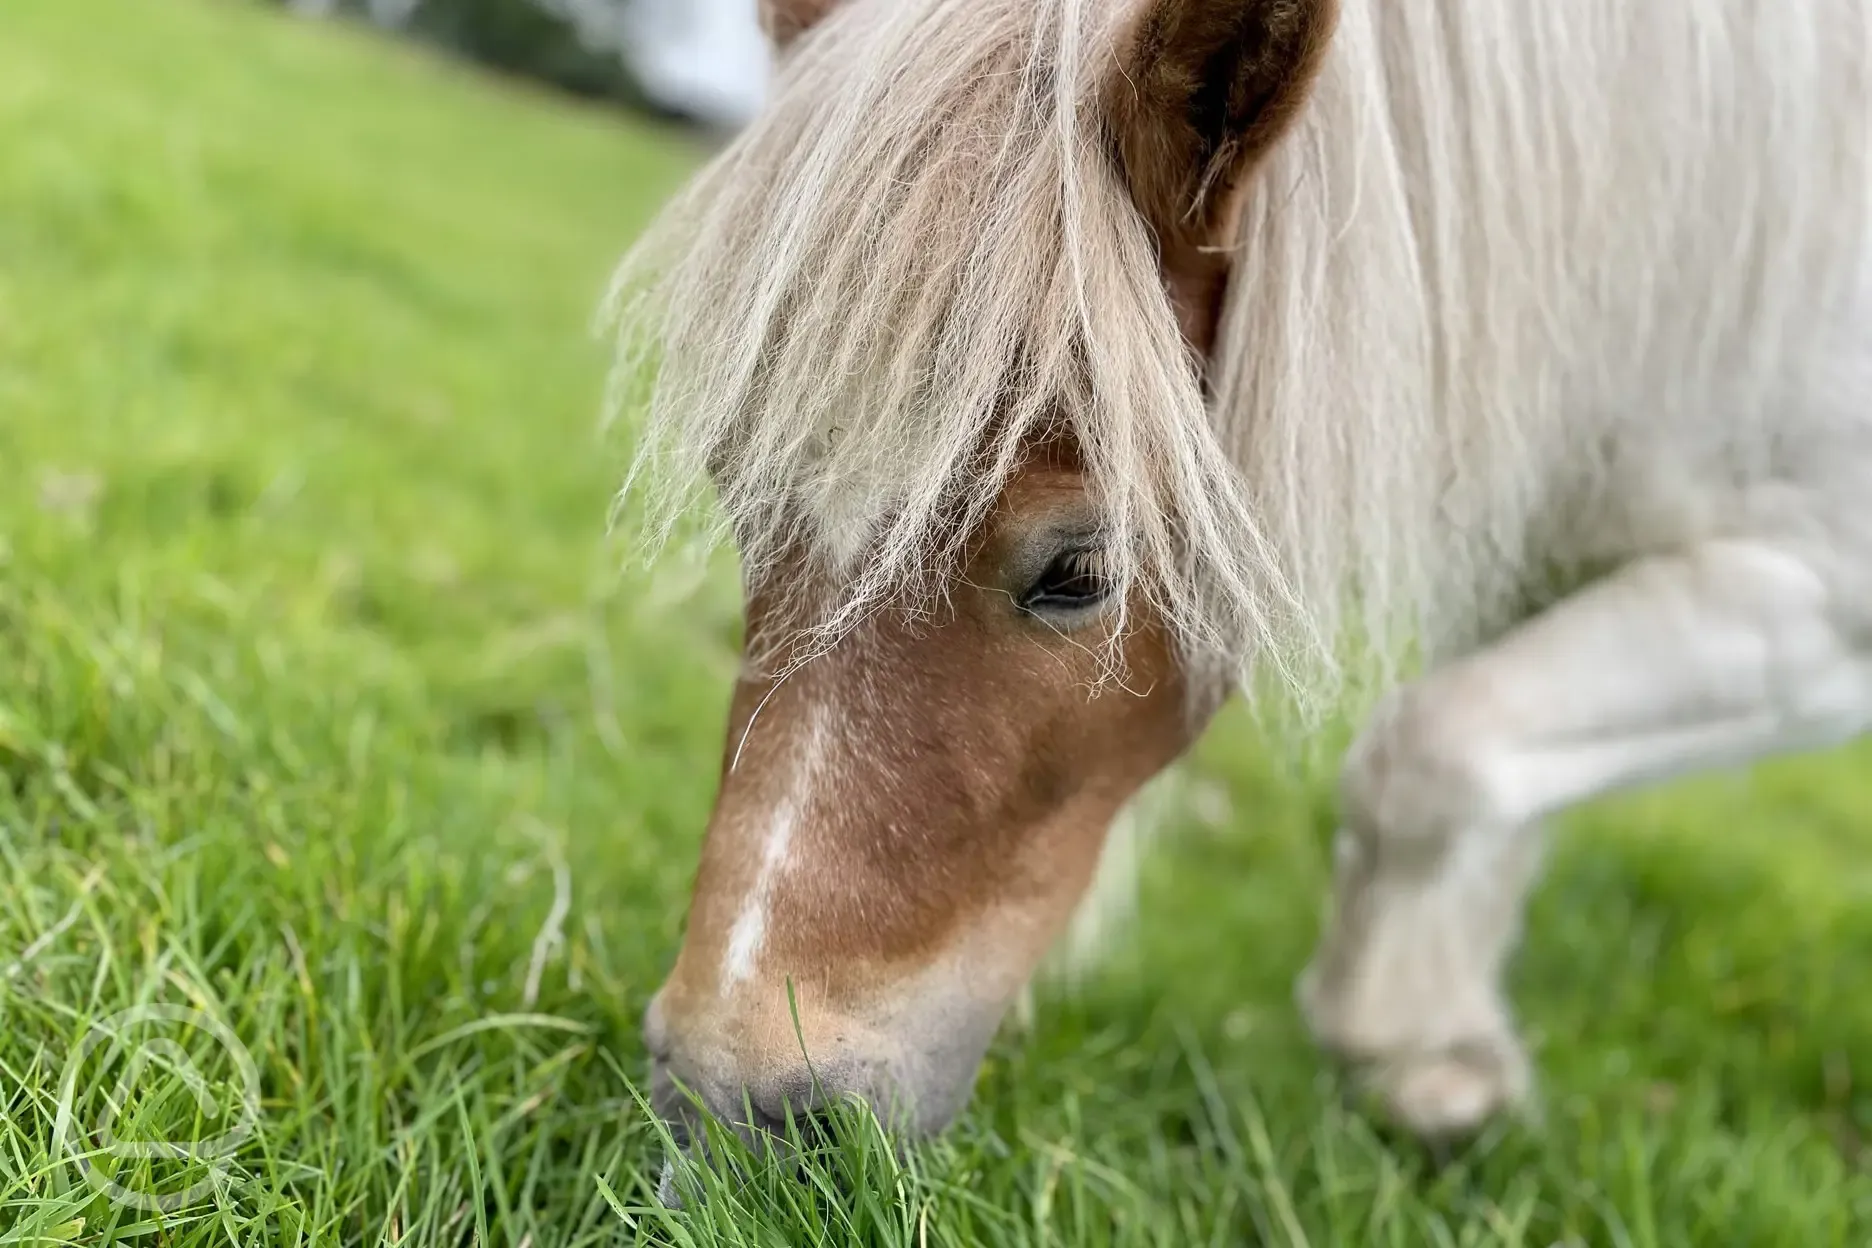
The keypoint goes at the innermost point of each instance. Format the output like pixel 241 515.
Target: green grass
pixel 319 681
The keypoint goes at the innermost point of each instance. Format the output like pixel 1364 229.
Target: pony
pixel 1062 369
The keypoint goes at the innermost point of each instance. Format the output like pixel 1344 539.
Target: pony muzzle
pixel 781 1087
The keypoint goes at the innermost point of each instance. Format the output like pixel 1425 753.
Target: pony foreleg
pixel 1718 656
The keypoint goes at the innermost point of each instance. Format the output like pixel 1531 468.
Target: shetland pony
pixel 1060 368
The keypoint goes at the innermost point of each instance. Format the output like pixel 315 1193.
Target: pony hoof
pixel 1452 1093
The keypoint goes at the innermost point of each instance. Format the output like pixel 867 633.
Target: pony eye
pixel 1074 581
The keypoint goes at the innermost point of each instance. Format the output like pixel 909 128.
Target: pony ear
pixel 786 20
pixel 1204 89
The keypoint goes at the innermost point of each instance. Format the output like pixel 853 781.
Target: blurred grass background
pixel 320 681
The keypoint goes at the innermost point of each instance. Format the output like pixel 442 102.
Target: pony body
pixel 1539 290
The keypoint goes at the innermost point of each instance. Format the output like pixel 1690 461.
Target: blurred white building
pixel 705 59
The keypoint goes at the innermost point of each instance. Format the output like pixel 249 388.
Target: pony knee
pixel 1419 775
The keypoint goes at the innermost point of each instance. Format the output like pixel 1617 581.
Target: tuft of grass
pixel 350 792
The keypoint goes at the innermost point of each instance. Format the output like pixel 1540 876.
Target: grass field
pixel 327 714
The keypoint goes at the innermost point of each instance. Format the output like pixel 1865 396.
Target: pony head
pixel 933 332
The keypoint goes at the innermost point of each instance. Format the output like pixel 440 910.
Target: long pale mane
pixel 1497 231
pixel 919 259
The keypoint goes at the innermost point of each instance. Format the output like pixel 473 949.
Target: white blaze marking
pixel 749 932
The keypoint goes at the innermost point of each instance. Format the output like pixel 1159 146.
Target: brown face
pixel 906 822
